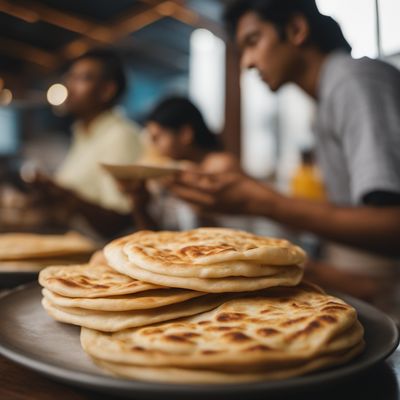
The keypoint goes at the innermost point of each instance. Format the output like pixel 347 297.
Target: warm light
pixel 389 10
pixel 57 94
pixel 359 28
pixel 5 97
pixel 1 84
pixel 207 76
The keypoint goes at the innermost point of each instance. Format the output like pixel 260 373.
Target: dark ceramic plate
pixel 31 338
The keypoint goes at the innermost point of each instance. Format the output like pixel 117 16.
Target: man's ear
pixel 108 91
pixel 298 30
pixel 186 135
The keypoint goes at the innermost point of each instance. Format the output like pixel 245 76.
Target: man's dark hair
pixel 325 32
pixel 112 67
pixel 175 112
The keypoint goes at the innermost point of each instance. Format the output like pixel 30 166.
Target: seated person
pixel 176 131
pixel 95 81
pixel 356 133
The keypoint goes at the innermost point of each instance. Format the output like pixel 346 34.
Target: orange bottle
pixel 307 182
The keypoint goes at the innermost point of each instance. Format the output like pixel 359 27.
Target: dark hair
pixel 112 67
pixel 175 112
pixel 325 32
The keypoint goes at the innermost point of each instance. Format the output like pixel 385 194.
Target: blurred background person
pixel 177 131
pixel 95 82
pixel 265 129
pixel 356 132
pixel 176 134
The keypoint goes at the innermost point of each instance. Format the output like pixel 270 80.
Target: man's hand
pixel 230 193
pixel 107 222
pixel 136 190
pixel 49 191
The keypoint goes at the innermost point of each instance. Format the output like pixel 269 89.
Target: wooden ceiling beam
pixel 94 34
pixel 28 53
pixel 131 22
pixel 178 10
pixel 33 12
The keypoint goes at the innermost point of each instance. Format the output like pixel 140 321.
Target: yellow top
pixel 110 138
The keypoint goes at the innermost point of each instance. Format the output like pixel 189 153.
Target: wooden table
pixel 379 383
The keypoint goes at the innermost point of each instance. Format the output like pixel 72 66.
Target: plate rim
pixel 109 382
pixel 126 169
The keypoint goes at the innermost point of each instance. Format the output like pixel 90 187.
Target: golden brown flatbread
pixel 90 281
pixel 117 320
pixel 159 251
pixel 37 264
pixel 273 327
pixel 127 302
pixel 193 376
pixel 27 246
pixel 117 259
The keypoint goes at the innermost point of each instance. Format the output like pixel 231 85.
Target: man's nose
pixel 247 61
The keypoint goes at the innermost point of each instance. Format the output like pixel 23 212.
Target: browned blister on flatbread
pixel 117 257
pixel 275 327
pixel 90 281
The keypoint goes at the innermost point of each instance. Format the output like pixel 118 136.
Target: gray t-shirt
pixel 357 127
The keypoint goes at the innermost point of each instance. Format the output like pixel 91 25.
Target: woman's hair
pixel 325 32
pixel 176 112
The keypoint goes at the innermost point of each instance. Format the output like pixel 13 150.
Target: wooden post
pixel 231 135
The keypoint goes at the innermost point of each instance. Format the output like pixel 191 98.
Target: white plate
pixel 31 338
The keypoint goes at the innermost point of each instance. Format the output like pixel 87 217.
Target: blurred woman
pixel 177 133
pixel 176 130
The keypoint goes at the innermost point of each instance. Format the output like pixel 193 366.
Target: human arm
pixel 140 197
pixel 105 221
pixel 214 163
pixel 218 163
pixel 362 158
pixel 332 278
pixel 372 228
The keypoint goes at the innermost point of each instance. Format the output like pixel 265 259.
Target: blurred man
pixel 357 128
pixel 95 82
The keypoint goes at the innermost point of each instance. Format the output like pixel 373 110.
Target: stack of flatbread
pixel 97 297
pixel 273 334
pixel 213 260
pixel 32 252
pixel 210 305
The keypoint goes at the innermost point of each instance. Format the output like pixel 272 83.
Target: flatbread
pixel 218 270
pixel 159 251
pixel 115 321
pixel 288 276
pixel 25 246
pixel 272 327
pixel 137 301
pixel 167 260
pixel 90 281
pixel 191 376
pixel 37 264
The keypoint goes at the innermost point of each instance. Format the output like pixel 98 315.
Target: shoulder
pixel 218 162
pixel 340 66
pixel 126 125
pixel 121 129
pixel 345 74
